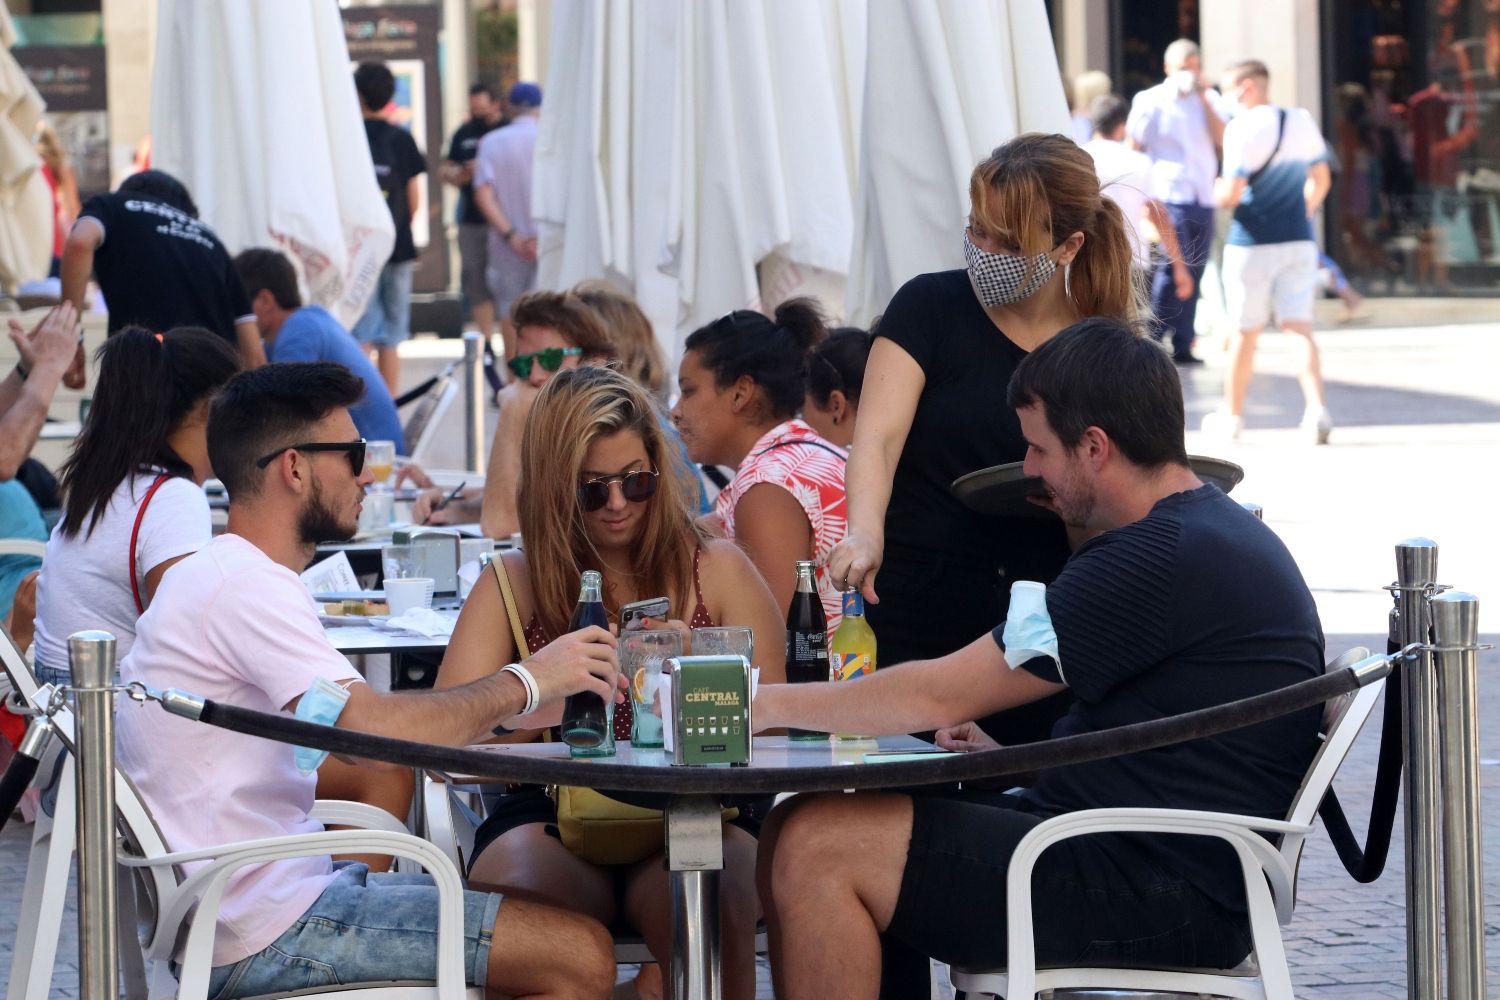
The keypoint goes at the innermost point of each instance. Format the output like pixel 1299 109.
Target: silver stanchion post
pixel 1416 575
pixel 695 856
pixel 1455 627
pixel 92 656
pixel 473 401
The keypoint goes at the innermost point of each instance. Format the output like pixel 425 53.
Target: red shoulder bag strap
pixel 135 532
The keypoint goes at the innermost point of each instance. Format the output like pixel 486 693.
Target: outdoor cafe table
pixel 692 798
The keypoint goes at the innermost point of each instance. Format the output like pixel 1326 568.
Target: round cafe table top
pixel 777 765
pixel 1003 489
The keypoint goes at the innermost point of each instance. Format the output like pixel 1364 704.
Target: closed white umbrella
pixel 253 108
pixel 25 200
pixel 946 81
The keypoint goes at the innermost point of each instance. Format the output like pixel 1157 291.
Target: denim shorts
pixel 387 318
pixel 363 928
pixel 1096 900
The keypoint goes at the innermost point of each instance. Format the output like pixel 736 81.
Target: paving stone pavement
pixel 1418 394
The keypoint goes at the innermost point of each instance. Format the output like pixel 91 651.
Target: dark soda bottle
pixel 806 639
pixel 587 722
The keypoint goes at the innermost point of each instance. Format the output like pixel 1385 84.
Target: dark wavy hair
pixel 147 384
pixel 838 363
pixel 771 352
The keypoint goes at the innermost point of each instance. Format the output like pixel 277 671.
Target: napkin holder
pixel 435 553
pixel 710 710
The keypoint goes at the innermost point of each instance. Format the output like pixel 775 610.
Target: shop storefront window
pixel 1413 117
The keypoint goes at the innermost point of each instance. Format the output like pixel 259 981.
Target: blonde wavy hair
pixel 1036 191
pixel 574 409
pixel 638 353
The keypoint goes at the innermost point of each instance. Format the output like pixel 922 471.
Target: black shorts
pixel 1097 900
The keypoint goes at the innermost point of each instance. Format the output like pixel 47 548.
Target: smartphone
pixel 634 615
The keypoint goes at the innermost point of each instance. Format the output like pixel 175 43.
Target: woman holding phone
pixel 600 490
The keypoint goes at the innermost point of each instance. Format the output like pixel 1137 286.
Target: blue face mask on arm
pixel 322 704
pixel 1028 627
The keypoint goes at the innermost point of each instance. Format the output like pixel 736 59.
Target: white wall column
pixel 1084 27
pixel 130 54
pixel 1283 34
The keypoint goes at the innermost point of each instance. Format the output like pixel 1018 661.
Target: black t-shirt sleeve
pixel 239 301
pixel 454 153
pixel 1111 609
pixel 412 161
pixel 101 207
pixel 910 322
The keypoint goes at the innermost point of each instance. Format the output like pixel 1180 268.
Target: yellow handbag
pixel 595 827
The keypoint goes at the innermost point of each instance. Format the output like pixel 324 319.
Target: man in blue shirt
pixel 294 332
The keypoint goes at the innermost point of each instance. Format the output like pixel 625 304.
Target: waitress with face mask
pixel 1044 250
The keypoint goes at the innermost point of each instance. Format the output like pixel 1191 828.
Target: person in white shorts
pixel 1275 176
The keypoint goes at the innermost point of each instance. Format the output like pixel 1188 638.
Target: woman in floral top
pixel 741 383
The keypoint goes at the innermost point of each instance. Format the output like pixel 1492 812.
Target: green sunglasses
pixel 550 358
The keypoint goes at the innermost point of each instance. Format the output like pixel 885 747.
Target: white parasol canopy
pixel 25 200
pixel 710 155
pixel 253 108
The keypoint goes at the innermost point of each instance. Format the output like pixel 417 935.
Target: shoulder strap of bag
pixel 508 597
pixel 1280 133
pixel 135 533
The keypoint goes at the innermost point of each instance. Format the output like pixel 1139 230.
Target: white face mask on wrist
pixel 1002 278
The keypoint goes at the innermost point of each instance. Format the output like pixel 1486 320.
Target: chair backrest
pixel 1344 716
pixel 421 427
pixel 23 680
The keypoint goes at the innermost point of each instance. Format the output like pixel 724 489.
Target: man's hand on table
pixel 579 661
pixel 966 738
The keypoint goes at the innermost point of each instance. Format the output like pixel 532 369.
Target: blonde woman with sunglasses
pixel 600 490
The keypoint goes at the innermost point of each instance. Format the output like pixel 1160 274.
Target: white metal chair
pixel 422 426
pixel 1270 872
pixel 175 909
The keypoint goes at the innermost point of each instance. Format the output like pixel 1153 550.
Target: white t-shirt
pixel 85 581
pixel 231 625
pixel 1124 176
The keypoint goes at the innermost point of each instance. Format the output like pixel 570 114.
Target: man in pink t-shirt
pixel 234 623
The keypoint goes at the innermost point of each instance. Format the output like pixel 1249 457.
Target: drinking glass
pixel 396 561
pixel 380 456
pixel 727 640
pixel 643 653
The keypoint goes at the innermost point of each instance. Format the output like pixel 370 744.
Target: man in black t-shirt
pixel 1179 600
pixel 399 165
pixel 473 229
pixel 158 265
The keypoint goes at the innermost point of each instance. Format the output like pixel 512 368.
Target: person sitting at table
pixel 1142 623
pixel 234 623
pixel 294 332
pixel 46 355
pixel 133 503
pixel 835 373
pixel 740 385
pixel 641 357
pixel 555 331
pixel 600 491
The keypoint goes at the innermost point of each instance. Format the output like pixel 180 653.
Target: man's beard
pixel 318 522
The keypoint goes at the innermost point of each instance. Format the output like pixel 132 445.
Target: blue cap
pixel 525 95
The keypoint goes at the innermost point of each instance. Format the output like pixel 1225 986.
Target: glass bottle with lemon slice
pixel 642 655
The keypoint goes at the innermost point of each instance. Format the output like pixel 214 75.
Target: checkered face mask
pixel 1000 278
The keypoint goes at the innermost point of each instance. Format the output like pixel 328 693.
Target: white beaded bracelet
pixel 533 694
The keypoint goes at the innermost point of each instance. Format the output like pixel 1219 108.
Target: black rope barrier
pixel 1366 864
pixel 1021 759
pixel 20 771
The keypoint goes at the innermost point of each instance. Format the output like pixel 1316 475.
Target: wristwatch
pixel 507 235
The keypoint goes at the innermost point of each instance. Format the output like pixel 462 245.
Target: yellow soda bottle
pixel 851 650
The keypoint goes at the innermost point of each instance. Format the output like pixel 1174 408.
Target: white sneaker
pixel 1223 426
pixel 1316 424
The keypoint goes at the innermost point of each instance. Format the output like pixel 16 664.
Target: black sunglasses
pixel 634 486
pixel 550 358
pixel 354 451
